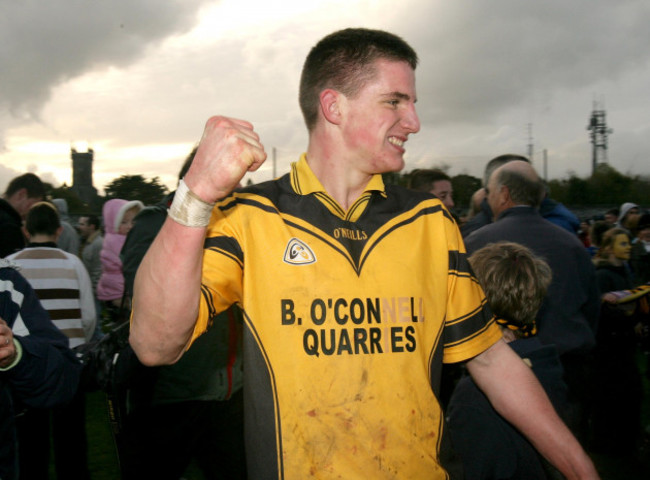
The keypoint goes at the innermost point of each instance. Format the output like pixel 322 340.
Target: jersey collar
pixel 305 182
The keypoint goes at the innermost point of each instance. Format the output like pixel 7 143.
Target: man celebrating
pixel 353 291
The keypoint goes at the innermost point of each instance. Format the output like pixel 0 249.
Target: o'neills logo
pixel 351 234
pixel 298 253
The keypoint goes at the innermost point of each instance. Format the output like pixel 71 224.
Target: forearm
pixel 517 395
pixel 168 282
pixel 166 294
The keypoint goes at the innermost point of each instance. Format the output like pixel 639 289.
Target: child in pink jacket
pixel 118 219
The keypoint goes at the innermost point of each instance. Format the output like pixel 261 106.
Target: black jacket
pixel 47 373
pixel 11 234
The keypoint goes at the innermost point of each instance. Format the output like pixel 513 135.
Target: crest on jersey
pixel 298 253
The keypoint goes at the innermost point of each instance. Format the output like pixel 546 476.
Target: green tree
pixel 395 178
pixel 606 186
pixel 136 187
pixel 610 186
pixel 75 204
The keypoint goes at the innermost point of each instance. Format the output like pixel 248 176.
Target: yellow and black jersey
pixel 348 317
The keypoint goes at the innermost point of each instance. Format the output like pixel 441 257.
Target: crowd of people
pixel 283 330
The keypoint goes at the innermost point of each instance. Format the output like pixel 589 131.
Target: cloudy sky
pixel 136 79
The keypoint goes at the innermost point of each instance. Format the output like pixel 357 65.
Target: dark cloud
pixel 45 43
pixel 482 58
pixel 488 70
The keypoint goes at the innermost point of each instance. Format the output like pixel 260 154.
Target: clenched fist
pixel 228 149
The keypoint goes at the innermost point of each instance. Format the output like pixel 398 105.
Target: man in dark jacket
pixel 569 315
pixel 37 369
pixel 199 398
pixel 22 192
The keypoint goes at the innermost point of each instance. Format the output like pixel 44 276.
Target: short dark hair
pixel 93 220
pixel 515 281
pixel 523 189
pixel 422 180
pixel 30 182
pixel 613 211
pixel 496 162
pixel 343 61
pixel 42 219
pixel 597 230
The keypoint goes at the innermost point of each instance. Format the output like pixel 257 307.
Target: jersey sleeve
pixel 470 327
pixel 223 262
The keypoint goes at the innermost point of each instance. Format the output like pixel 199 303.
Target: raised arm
pixel 168 283
pixel 517 395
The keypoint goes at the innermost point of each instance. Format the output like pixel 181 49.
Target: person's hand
pixel 7 347
pixel 228 149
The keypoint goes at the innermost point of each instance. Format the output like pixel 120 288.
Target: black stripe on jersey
pixel 418 214
pixel 360 203
pixel 310 209
pixel 435 360
pixel 261 392
pixel 254 203
pixel 295 181
pixel 459 265
pixel 208 301
pixel 459 330
pixel 227 246
pixel 327 199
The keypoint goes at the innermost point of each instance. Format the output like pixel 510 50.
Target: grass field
pixel 102 455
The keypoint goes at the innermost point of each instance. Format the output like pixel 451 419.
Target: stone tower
pixel 82 175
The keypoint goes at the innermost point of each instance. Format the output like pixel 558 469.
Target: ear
pixel 58 233
pixel 504 195
pixel 330 106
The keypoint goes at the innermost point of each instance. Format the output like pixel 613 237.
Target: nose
pixel 411 120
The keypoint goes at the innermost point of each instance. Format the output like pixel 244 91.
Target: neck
pixel 341 180
pixel 41 238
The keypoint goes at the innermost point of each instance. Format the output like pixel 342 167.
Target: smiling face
pixel 378 120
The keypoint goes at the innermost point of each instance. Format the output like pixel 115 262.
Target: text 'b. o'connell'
pixel 367 325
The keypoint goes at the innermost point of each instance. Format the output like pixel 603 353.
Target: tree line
pixel 607 187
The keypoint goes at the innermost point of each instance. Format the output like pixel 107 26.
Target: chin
pixel 394 165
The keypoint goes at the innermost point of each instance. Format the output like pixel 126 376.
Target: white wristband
pixel 188 209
